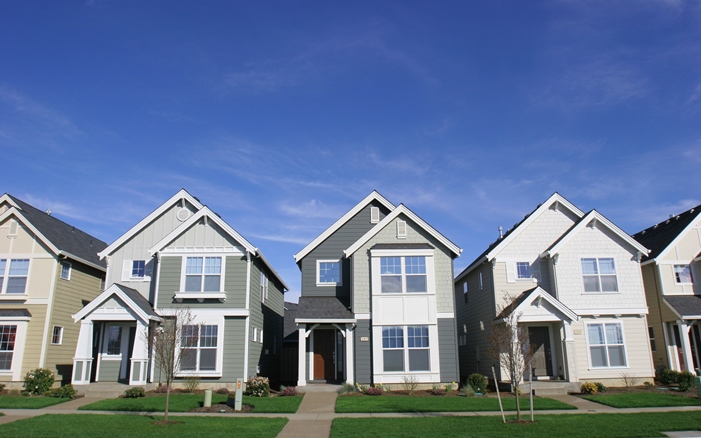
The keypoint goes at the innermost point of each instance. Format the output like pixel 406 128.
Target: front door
pixel 324 354
pixel 542 356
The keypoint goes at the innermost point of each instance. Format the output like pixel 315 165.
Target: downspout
pixel 248 318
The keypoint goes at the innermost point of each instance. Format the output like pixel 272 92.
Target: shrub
pixel 589 388
pixel 39 381
pixel 222 391
pixel 288 391
pixel 2 386
pixel 467 390
pixel 135 392
pixel 686 380
pixel 66 391
pixel 668 377
pixel 374 390
pixel 258 387
pixel 600 387
pixel 437 390
pixel 478 382
pixel 191 383
pixel 347 388
pixel 649 385
pixel 161 389
pixel 629 381
pixel 410 383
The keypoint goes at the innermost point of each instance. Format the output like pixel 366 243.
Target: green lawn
pixel 572 426
pixel 643 400
pixel 119 426
pixel 18 402
pixel 188 402
pixel 359 404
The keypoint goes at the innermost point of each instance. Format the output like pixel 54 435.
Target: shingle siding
pixel 363 352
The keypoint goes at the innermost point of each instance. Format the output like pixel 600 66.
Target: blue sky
pixel 281 116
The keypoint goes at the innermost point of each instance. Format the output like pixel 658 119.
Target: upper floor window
pixel 523 270
pixel 13 275
pixel 264 282
pixel 138 268
pixel 403 274
pixel 599 275
pixel 606 346
pixel 65 270
pixel 682 274
pixel 203 274
pixel 328 272
pixel 57 335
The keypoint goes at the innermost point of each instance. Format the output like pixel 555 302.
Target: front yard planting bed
pixel 572 426
pixel 35 402
pixel 408 403
pixel 118 426
pixel 643 400
pixel 190 402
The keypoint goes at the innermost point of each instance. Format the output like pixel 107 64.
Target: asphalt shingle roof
pixel 14 313
pixel 138 299
pixel 322 308
pixel 685 305
pixel 290 332
pixel 659 236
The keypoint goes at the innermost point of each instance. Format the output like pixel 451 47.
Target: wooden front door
pixel 324 354
pixel 542 357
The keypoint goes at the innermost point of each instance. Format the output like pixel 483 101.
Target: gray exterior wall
pixel 363 352
pixel 448 350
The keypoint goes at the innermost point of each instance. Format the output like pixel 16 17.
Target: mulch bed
pixel 224 409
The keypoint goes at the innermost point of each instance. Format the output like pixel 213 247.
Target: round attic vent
pixel 183 214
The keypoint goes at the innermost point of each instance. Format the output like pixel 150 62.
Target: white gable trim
pixel 374 196
pixel 182 194
pixel 17 213
pixel 538 294
pixel 402 209
pixel 115 290
pixel 676 240
pixel 6 198
pixel 585 222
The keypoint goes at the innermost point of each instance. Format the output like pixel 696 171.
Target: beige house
pixel 48 270
pixel 574 280
pixel 671 274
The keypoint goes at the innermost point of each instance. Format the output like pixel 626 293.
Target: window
pixel 682 274
pixel 13 275
pixel 263 286
pixel 651 333
pixel 481 284
pixel 414 357
pixel 65 270
pixel 138 268
pixel 403 274
pixel 57 336
pixel 599 275
pixel 114 340
pixel 203 274
pixel 102 283
pixel 199 348
pixel 523 270
pixel 8 333
pixel 606 346
pixel 464 291
pixel 328 273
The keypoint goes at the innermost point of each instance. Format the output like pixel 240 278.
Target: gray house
pixel 183 255
pixel 376 303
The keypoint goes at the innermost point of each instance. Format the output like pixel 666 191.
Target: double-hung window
pixel 203 274
pixel 198 345
pixel 65 271
pixel 13 275
pixel 682 274
pixel 405 348
pixel 599 275
pixel 8 334
pixel 328 273
pixel 57 335
pixel 403 274
pixel 606 345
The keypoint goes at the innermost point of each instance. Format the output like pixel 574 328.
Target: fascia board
pixel 6 198
pixel 97 301
pixel 182 194
pixel 670 307
pixel 83 261
pixel 540 293
pixel 267 263
pixel 469 269
pixel 17 213
pixel 676 240
pixel 374 196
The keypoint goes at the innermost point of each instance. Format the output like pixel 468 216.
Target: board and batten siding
pixel 332 249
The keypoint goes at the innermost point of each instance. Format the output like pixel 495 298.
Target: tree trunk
pixel 165 418
pixel 518 404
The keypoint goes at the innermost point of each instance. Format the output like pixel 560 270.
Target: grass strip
pixel 188 402
pixel 14 402
pixel 384 404
pixel 119 426
pixel 643 400
pixel 572 426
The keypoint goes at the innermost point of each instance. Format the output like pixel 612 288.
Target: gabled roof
pixel 499 244
pixel 322 309
pixel 209 215
pixel 374 196
pixel 591 218
pixel 402 209
pixel 663 236
pixel 130 297
pixel 684 306
pixel 61 238
pixel 178 197
pixel 537 294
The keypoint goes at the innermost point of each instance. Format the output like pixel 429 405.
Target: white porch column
pixel 684 330
pixel 568 352
pixel 139 355
pixel 82 361
pixel 350 369
pixel 302 362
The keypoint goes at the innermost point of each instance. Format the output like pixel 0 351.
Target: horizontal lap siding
pixel 448 350
pixel 363 352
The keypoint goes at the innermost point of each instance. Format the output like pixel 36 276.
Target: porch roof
pixel 15 313
pixel 685 306
pixel 535 297
pixel 131 298
pixel 322 309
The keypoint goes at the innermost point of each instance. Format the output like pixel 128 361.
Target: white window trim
pixel 15 370
pixel 60 335
pixel 318 273
pixel 691 274
pixel 6 276
pixel 220 295
pixel 598 257
pixel 433 375
pixel 264 285
pixel 625 348
pixel 70 271
pixel 12 232
pixel 402 230
pixel 204 319
pixel 128 267
pixel 374 215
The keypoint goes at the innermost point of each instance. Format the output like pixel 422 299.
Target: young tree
pixel 510 347
pixel 165 341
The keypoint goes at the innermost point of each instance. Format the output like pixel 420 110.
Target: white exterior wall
pixel 682 253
